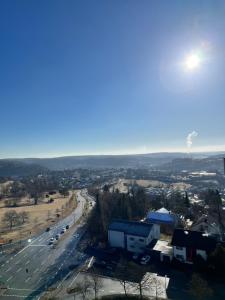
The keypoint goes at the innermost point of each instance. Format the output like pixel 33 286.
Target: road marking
pixel 19 270
pixel 8 269
pixel 16 296
pixel 28 279
pixel 64 279
pixel 23 249
pixel 9 278
pixel 27 262
pixel 73 280
pixel 18 261
pixel 30 290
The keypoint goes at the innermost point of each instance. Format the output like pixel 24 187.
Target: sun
pixel 192 61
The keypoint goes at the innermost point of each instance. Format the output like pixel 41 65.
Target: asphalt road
pixel 46 265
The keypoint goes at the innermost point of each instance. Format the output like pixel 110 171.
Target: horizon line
pixel 110 154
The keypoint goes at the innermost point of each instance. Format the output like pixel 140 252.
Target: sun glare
pixel 192 62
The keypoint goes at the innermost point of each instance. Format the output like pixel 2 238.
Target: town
pixel 113 231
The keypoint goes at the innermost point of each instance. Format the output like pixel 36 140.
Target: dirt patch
pixel 41 216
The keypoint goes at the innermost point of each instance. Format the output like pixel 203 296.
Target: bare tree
pixel 122 275
pixel 96 283
pixel 83 288
pixel 11 218
pixel 147 283
pixel 151 282
pixel 24 216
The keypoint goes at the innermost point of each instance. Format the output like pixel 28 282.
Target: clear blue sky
pixel 100 76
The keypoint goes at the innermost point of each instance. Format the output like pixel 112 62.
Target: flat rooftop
pixel 163 247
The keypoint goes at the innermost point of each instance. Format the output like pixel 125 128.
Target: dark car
pixel 57 236
pixel 47 229
pixel 67 226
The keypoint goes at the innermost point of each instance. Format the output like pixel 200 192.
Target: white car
pixel 145 259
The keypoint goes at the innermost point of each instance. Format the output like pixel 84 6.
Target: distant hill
pixel 169 161
pixel 105 161
pixel 10 168
pixel 211 164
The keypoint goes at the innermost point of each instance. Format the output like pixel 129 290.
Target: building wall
pixel 202 253
pixel 136 244
pixel 179 253
pixel 156 231
pixel 204 227
pixel 133 243
pixel 116 239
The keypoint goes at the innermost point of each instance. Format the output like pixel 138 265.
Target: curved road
pixel 38 265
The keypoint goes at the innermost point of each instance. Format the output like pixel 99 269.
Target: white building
pixel 132 236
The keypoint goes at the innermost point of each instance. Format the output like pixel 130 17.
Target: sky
pixel 111 77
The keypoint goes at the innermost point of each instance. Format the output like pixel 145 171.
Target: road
pixel 46 265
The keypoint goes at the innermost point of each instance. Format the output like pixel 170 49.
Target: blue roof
pixel 131 227
pixel 157 217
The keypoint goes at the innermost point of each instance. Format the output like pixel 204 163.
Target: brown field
pixel 122 184
pixel 40 216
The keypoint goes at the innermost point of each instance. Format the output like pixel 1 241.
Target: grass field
pixel 40 216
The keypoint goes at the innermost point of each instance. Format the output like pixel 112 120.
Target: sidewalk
pixel 112 286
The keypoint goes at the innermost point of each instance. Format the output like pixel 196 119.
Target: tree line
pixel 130 206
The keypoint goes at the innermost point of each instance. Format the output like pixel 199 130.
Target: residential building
pixel 132 236
pixel 164 218
pixel 207 224
pixel 188 244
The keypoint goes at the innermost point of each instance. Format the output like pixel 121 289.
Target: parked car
pixel 67 226
pixel 145 259
pixel 63 231
pixel 57 236
pixel 52 239
pixel 47 229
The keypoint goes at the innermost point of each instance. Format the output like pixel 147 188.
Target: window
pixel 180 257
pixel 141 240
pixel 131 239
pixel 179 248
